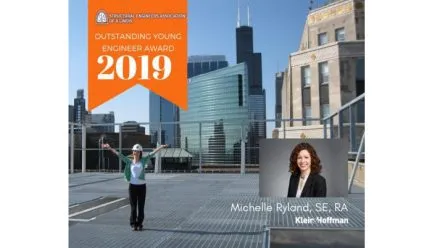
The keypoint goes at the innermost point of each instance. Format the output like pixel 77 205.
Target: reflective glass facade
pixel 198 65
pixel 220 97
pixel 257 127
pixel 104 119
pixel 162 110
pixel 257 112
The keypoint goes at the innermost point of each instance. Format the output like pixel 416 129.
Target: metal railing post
pixel 266 238
pixel 72 148
pixel 325 128
pixel 243 156
pixel 83 147
pixel 200 148
pixel 340 123
pixel 352 130
pixel 158 158
pixel 354 170
pixel 103 156
pixel 284 130
pixel 242 152
pixel 120 147
pixel 99 152
pixel 331 128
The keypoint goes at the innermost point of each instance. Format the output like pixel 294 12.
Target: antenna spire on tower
pixel 248 15
pixel 238 13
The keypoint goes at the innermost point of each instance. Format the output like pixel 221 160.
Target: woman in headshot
pixel 134 173
pixel 305 168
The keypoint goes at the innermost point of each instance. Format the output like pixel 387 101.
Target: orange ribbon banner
pixel 137 42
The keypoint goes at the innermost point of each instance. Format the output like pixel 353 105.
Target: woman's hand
pixel 158 149
pixel 106 146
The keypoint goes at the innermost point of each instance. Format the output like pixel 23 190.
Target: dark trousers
pixel 137 195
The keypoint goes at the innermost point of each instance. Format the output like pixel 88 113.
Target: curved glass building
pixel 219 100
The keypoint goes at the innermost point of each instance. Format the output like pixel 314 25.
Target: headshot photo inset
pixel 303 168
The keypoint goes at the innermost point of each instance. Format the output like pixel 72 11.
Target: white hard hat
pixel 137 147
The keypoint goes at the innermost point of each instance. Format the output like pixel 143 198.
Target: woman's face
pixel 136 153
pixel 304 160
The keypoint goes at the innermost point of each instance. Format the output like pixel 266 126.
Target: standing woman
pixel 134 173
pixel 305 168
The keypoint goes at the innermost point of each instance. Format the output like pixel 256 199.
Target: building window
pixel 305 74
pixel 323 73
pixel 322 39
pixel 325 110
pixel 340 34
pixel 307 115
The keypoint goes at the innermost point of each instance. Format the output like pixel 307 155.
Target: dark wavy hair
pixel 315 160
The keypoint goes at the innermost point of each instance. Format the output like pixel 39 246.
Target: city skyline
pixel 277 30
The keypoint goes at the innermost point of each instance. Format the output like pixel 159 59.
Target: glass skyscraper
pixel 79 107
pixel 162 110
pixel 218 99
pixel 200 64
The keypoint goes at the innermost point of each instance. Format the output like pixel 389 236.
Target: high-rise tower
pixel 257 106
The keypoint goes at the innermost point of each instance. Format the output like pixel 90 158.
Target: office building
pixel 278 97
pixel 245 53
pixel 132 127
pixel 256 94
pixel 219 100
pixel 200 64
pixel 104 119
pixel 80 110
pixel 162 110
pixel 71 113
pixel 328 69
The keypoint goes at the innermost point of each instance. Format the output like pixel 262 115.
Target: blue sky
pixel 277 27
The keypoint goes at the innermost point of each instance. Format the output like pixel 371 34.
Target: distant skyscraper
pixel 79 107
pixel 200 64
pixel 219 99
pixel 71 113
pixel 162 110
pixel 245 53
pixel 132 127
pixel 104 119
pixel 278 97
pixel 257 105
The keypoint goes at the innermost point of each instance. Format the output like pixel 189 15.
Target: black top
pixel 315 186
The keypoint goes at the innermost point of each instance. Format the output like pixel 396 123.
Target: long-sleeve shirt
pixel 135 172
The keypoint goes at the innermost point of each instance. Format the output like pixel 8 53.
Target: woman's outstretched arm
pixel 121 156
pixel 158 149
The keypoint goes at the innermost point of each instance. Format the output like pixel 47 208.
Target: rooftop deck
pixel 194 210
